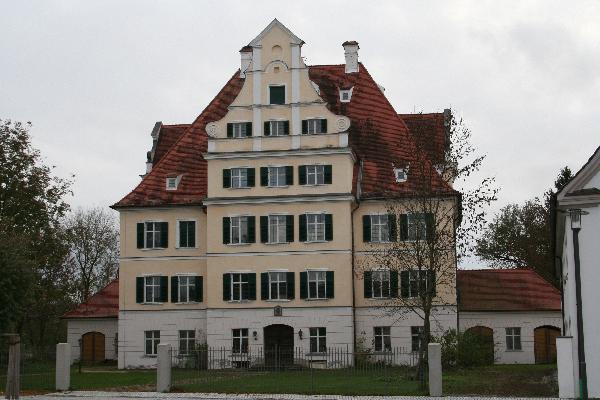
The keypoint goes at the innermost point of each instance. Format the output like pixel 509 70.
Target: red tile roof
pixel 168 136
pixel 104 304
pixel 505 290
pixel 378 136
pixel 429 130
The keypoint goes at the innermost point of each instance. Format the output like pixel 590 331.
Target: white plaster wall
pixel 132 325
pixel 76 328
pixel 498 321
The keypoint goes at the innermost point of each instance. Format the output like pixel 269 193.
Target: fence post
pixel 434 350
pixel 63 366
pixel 13 375
pixel 566 370
pixel 163 368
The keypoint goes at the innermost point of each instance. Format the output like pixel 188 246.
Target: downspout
pixel 583 393
pixel 353 258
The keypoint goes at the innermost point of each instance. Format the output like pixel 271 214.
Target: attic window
pixel 345 95
pixel 400 174
pixel 173 182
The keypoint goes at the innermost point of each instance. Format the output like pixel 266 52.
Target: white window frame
pixel 280 279
pixel 187 337
pixel 348 92
pixel 238 129
pixel 240 225
pixel 239 283
pixel 190 283
pixel 311 126
pixel 400 174
pixel 319 335
pixel 154 337
pixel 241 176
pixel 178 234
pixel 280 230
pixel 384 334
pixel 240 334
pixel 414 276
pixel 412 220
pixel 513 333
pixel 380 231
pixel 156 236
pixel 277 176
pixel 318 277
pixel 279 123
pixel 416 335
pixel 314 172
pixel 380 274
pixel 154 287
pixel 312 227
pixel 172 182
pixel 285 93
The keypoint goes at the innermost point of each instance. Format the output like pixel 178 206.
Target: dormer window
pixel 173 182
pixel 345 95
pixel 400 174
pixel 277 94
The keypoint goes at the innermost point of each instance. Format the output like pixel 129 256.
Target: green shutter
pixel 226 178
pixel 251 229
pixel 226 230
pixel 164 234
pixel 277 94
pixel 226 287
pixel 393 235
pixel 368 287
pixel 139 289
pixel 289 175
pixel 404 283
pixel 327 174
pixel 328 227
pixel 403 227
pixel 291 285
pixel 248 129
pixel 429 226
pixel 267 128
pixel 304 126
pixel 230 130
pixel 366 220
pixel 251 286
pixel 191 235
pixel 164 289
pixel 329 291
pixel 251 179
pixel 199 288
pixel 323 126
pixel 264 286
pixel 140 235
pixel 302 227
pixel 264 176
pixel 286 127
pixel 264 229
pixel 304 285
pixel 393 283
pixel 432 282
pixel 302 175
pixel 289 228
pixel 174 289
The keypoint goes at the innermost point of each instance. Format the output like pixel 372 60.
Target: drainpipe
pixel 354 208
pixel 583 393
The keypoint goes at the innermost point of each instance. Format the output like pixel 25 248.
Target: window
pixel 278 285
pixel 513 338
pixel 239 230
pixel 152 339
pixel 240 129
pixel 172 183
pixel 380 284
pixel 277 94
pixel 239 177
pixel 414 276
pixel 277 176
pixel 383 340
pixel 345 95
pixel 314 126
pixel 187 234
pixel 152 289
pixel 417 226
pixel 153 235
pixel 380 228
pixel 315 174
pixel 416 338
pixel 239 287
pixel 318 340
pixel 186 285
pixel 400 175
pixel 240 341
pixel 277 128
pixel 187 341
pixel 317 284
pixel 315 227
pixel 277 229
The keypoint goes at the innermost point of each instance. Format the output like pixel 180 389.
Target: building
pixel 578 232
pixel 248 225
pixel 516 310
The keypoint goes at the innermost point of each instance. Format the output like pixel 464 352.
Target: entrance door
pixel 92 347
pixel 279 345
pixel 485 337
pixel 544 344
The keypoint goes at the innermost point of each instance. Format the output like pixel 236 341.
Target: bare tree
pixel 94 250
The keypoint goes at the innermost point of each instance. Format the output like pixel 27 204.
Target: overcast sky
pixel 94 76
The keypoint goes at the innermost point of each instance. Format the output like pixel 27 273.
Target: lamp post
pixel 575 216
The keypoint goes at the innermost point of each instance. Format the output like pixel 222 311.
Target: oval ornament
pixel 211 129
pixel 342 124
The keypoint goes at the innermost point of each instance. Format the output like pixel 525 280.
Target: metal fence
pixel 36 370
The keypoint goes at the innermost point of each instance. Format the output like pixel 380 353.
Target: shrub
pixel 465 349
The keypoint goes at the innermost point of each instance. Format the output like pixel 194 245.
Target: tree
pixel 521 236
pixel 93 250
pixel 434 228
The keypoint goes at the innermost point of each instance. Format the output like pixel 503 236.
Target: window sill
pixel 152 248
pixel 319 356
pixel 239 301
pixel 152 303
pixel 514 351
pixel 275 243
pixel 183 303
pixel 150 355
pixel 323 299
pixel 378 298
pixel 187 248
pixel 238 244
pixel 316 184
pixel 316 241
pixel 241 187
pixel 278 300
pixel 277 187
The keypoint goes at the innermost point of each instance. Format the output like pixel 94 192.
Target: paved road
pixel 213 396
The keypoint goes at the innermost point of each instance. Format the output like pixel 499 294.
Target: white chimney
pixel 246 59
pixel 351 54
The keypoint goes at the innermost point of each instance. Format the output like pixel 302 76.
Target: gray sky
pixel 94 76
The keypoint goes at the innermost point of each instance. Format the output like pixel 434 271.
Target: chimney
pixel 351 54
pixel 246 59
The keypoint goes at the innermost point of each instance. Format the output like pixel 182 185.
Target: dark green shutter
pixel 327 174
pixel 277 94
pixel 139 289
pixel 230 130
pixel 366 220
pixel 226 178
pixel 302 227
pixel 304 126
pixel 368 287
pixel 248 129
pixel 289 228
pixel 328 227
pixel 226 287
pixel 323 126
pixel 264 286
pixel 403 227
pixel 174 289
pixel 329 284
pixel 404 283
pixel 291 285
pixel 251 179
pixel 264 229
pixel 304 285
pixel 393 283
pixel 267 128
pixel 393 235
pixel 302 175
pixel 164 289
pixel 429 226
pixel 286 127
pixel 164 234
pixel 226 230
pixel 251 229
pixel 140 235
pixel 199 288
pixel 289 175
pixel 264 176
pixel 191 235
pixel 432 282
pixel 251 286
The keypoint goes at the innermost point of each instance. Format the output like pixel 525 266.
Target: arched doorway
pixel 92 347
pixel 486 340
pixel 279 345
pixel 544 344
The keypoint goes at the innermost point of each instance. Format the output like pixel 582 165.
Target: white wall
pixel 78 327
pixel 499 321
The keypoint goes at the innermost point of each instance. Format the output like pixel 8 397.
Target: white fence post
pixel 566 373
pixel 434 351
pixel 63 366
pixel 163 368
